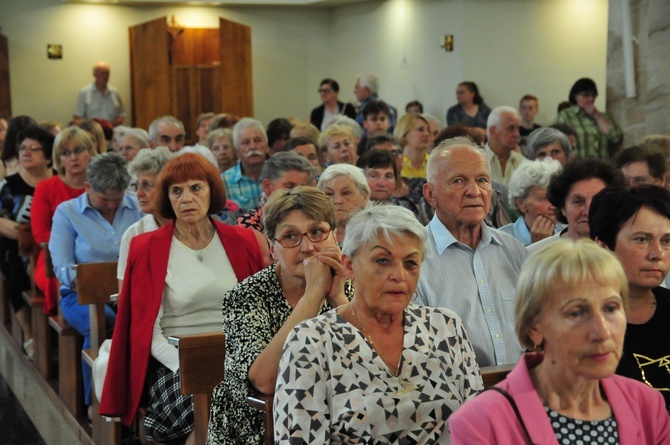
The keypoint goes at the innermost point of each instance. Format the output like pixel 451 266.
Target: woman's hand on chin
pixel 318 278
pixel 332 257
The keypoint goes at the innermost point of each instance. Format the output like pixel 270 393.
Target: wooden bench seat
pixel 97 286
pixel 34 298
pixel 201 365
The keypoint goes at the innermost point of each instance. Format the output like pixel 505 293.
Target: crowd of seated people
pixel 363 266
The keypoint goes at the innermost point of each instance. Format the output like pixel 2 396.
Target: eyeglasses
pixel 145 186
pixel 32 148
pixel 325 90
pixel 76 151
pixel 293 239
pixel 395 153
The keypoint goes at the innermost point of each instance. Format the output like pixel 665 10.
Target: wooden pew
pixel 263 402
pixel 491 375
pixel 70 388
pixel 201 364
pixel 97 286
pixel 34 298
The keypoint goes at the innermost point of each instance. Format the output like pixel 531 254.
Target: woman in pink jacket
pixel 570 310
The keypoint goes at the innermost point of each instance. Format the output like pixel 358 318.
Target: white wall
pixel 286 44
pixel 509 47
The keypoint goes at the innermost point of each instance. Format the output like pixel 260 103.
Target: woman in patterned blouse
pixel 376 370
pixel 307 279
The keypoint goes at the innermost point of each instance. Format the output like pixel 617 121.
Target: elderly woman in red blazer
pixel 174 284
pixel 570 309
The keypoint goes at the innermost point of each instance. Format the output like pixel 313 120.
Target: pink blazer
pixel 489 418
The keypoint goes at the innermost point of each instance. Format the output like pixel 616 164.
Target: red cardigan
pixel 139 302
pixel 48 195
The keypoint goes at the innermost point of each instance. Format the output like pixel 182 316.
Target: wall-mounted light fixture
pixel 54 51
pixel 448 43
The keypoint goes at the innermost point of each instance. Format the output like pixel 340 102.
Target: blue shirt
pixel 479 285
pixel 80 234
pixel 239 188
pixel 520 231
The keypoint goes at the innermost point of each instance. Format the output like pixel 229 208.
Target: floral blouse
pixel 253 311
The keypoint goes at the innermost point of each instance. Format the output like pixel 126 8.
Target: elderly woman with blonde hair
pixel 528 197
pixel 377 369
pixel 571 301
pixel 337 145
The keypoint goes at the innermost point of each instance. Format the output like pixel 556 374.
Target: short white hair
pixel 164 120
pixel 369 80
pixel 200 150
pixel 377 220
pixel 527 176
pixel 496 116
pixel 356 174
pixel 247 122
pixel 350 123
pixel 431 167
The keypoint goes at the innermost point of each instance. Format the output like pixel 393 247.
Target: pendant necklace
pixel 407 386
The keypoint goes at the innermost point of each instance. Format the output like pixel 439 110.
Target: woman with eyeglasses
pixel 598 135
pixel 322 116
pixel 72 152
pixel 306 280
pixel 145 169
pixel 16 193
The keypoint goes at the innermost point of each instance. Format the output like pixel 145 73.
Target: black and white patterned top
pixel 581 432
pixel 253 312
pixel 334 388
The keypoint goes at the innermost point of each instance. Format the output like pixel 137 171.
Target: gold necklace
pixel 372 343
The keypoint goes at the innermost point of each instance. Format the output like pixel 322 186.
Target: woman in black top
pixel 634 223
pixel 34 151
pixel 322 115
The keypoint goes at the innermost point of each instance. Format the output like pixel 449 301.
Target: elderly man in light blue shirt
pixel 470 267
pixel 88 229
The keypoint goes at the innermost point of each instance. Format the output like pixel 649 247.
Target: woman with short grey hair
pixel 132 141
pixel 88 229
pixel 347 187
pixel 528 197
pixel 145 169
pixel 377 356
pixel 548 142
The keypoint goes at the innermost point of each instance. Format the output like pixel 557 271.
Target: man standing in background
pixel 99 99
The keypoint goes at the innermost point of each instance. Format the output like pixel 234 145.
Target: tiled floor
pixel 27 415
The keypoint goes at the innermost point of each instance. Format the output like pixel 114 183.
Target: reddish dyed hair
pixel 189 167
